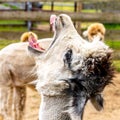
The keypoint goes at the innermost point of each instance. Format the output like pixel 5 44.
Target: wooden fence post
pixel 52 6
pixel 78 9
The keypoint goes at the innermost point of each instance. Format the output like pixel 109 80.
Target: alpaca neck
pixel 52 108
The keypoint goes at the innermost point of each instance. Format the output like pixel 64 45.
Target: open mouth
pixel 34 44
pixel 33 41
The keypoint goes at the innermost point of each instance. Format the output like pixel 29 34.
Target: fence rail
pixel 44 16
pixel 37 15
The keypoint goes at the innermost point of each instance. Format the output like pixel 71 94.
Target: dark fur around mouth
pixel 88 81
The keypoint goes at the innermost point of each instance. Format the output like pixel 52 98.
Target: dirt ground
pixel 111 109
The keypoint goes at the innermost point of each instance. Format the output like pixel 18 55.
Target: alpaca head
pixel 95 31
pixel 91 71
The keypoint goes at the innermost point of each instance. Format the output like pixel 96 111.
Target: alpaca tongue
pixel 33 43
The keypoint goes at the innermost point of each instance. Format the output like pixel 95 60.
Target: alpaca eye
pixel 62 21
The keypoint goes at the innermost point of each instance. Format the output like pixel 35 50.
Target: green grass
pixel 11 6
pixel 89 11
pixel 10 28
pixel 64 6
pixel 116 64
pixel 59 6
pixel 11 22
pixel 4 43
pixel 111 26
pixel 113 44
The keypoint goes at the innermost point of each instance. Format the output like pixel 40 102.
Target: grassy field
pixel 113 44
pixel 116 64
pixel 66 6
pixel 4 43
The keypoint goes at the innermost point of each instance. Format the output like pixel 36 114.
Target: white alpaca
pixel 60 68
pixel 16 71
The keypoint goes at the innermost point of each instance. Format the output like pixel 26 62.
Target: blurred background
pixel 33 15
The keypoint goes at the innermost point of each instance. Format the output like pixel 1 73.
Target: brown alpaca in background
pixel 95 30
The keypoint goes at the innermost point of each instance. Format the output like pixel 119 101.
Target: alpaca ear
pixel 97 101
pixel 34 52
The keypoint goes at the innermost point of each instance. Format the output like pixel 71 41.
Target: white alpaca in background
pixel 16 71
